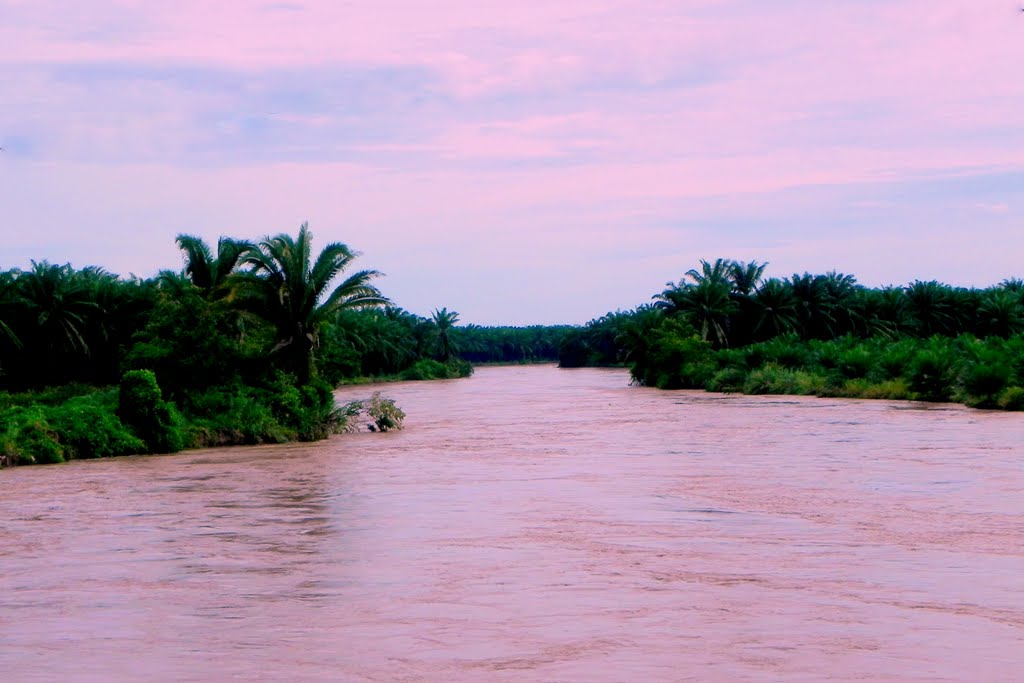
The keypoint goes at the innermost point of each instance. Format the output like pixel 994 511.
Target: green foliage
pixel 930 374
pixel 503 344
pixel 785 351
pixel 443 320
pixel 88 427
pixel 26 438
pixel 307 408
pixel 982 382
pixel 983 373
pixel 141 407
pixel 230 339
pixel 856 363
pixel 674 358
pixel 290 290
pixel 772 379
pixel 234 415
pixel 385 414
pixel 1011 398
pixel 426 369
pixel 190 344
pixel 728 380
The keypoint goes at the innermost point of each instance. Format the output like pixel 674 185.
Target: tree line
pixel 724 326
pixel 244 344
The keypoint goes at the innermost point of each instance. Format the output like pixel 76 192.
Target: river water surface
pixel 536 524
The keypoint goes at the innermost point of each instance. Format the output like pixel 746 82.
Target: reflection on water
pixel 540 525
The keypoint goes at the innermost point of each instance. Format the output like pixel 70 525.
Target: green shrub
pixel 228 416
pixel 26 438
pixel 574 351
pixel 88 429
pixel 893 389
pixel 1011 398
pixel 142 408
pixel 425 369
pixel 731 359
pixel 982 382
pixel 786 351
pixel 893 360
pixel 929 375
pixel 771 379
pixel 675 359
pixel 856 362
pixel 385 414
pixel 809 384
pixel 728 380
pixel 459 368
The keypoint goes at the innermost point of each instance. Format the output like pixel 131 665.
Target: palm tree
pixel 745 276
pixel 776 309
pixel 815 306
pixel 294 293
pixel 878 312
pixel 717 272
pixel 207 272
pixel 1000 314
pixel 60 305
pixel 8 306
pixel 707 305
pixel 8 280
pixel 443 320
pixel 1013 284
pixel 931 307
pixel 171 283
pixel 840 289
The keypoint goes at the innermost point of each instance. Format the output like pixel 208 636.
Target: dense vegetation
pixel 725 328
pixel 246 342
pixel 244 345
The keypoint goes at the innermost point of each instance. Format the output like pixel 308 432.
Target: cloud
pixel 494 151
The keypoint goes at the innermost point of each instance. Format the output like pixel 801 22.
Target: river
pixel 536 524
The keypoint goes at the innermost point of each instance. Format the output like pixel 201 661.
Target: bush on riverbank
pixel 981 373
pixel 428 369
pixel 85 426
pixel 134 418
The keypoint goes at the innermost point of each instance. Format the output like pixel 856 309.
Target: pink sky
pixel 522 162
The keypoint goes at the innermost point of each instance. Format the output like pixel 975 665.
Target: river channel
pixel 536 524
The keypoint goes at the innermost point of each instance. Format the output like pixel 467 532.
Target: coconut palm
pixel 294 293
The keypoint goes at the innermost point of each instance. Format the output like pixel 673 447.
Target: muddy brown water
pixel 536 524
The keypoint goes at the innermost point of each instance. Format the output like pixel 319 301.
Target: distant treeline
pixel 724 327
